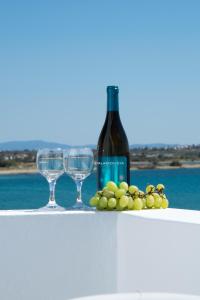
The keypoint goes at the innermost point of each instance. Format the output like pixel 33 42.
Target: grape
pixel 108 194
pixel 123 201
pixel 160 187
pixel 94 201
pixel 130 203
pixel 165 203
pixel 119 208
pixel 119 193
pixel 157 200
pixel 136 194
pixel 141 194
pixel 102 202
pixel 112 203
pixel 129 197
pixel 98 194
pixel 133 189
pixel 144 202
pixel 155 195
pixel 149 201
pixel 123 185
pixel 138 204
pixel 111 185
pixel 150 188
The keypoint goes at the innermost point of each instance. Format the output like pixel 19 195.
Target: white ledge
pixel 62 255
pixel 170 214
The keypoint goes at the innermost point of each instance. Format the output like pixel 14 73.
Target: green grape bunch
pixel 121 197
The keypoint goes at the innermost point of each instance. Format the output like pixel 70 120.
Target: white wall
pixel 156 255
pixel 56 257
pixel 66 254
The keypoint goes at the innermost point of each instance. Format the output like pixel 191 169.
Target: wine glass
pixel 50 165
pixel 78 164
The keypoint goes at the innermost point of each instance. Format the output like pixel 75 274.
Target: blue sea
pixel 31 191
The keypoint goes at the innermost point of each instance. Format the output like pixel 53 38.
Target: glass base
pixel 80 206
pixel 50 207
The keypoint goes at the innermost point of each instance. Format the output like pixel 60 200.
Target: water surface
pixel 31 190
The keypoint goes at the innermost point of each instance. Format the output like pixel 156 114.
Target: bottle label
pixel 112 168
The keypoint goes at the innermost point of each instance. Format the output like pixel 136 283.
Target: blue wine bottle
pixel 113 159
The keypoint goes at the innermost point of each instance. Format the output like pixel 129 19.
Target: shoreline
pixel 7 171
pixel 17 171
pixel 184 166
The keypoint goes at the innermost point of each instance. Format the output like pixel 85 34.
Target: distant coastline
pixel 168 157
pixel 16 171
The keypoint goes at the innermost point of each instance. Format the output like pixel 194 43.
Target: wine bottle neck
pixel 112 99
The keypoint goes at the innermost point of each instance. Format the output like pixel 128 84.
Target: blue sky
pixel 57 57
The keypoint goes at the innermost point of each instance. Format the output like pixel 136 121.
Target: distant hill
pixel 38 144
pixel 29 145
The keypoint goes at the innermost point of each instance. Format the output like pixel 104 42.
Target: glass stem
pixel 52 185
pixel 79 187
